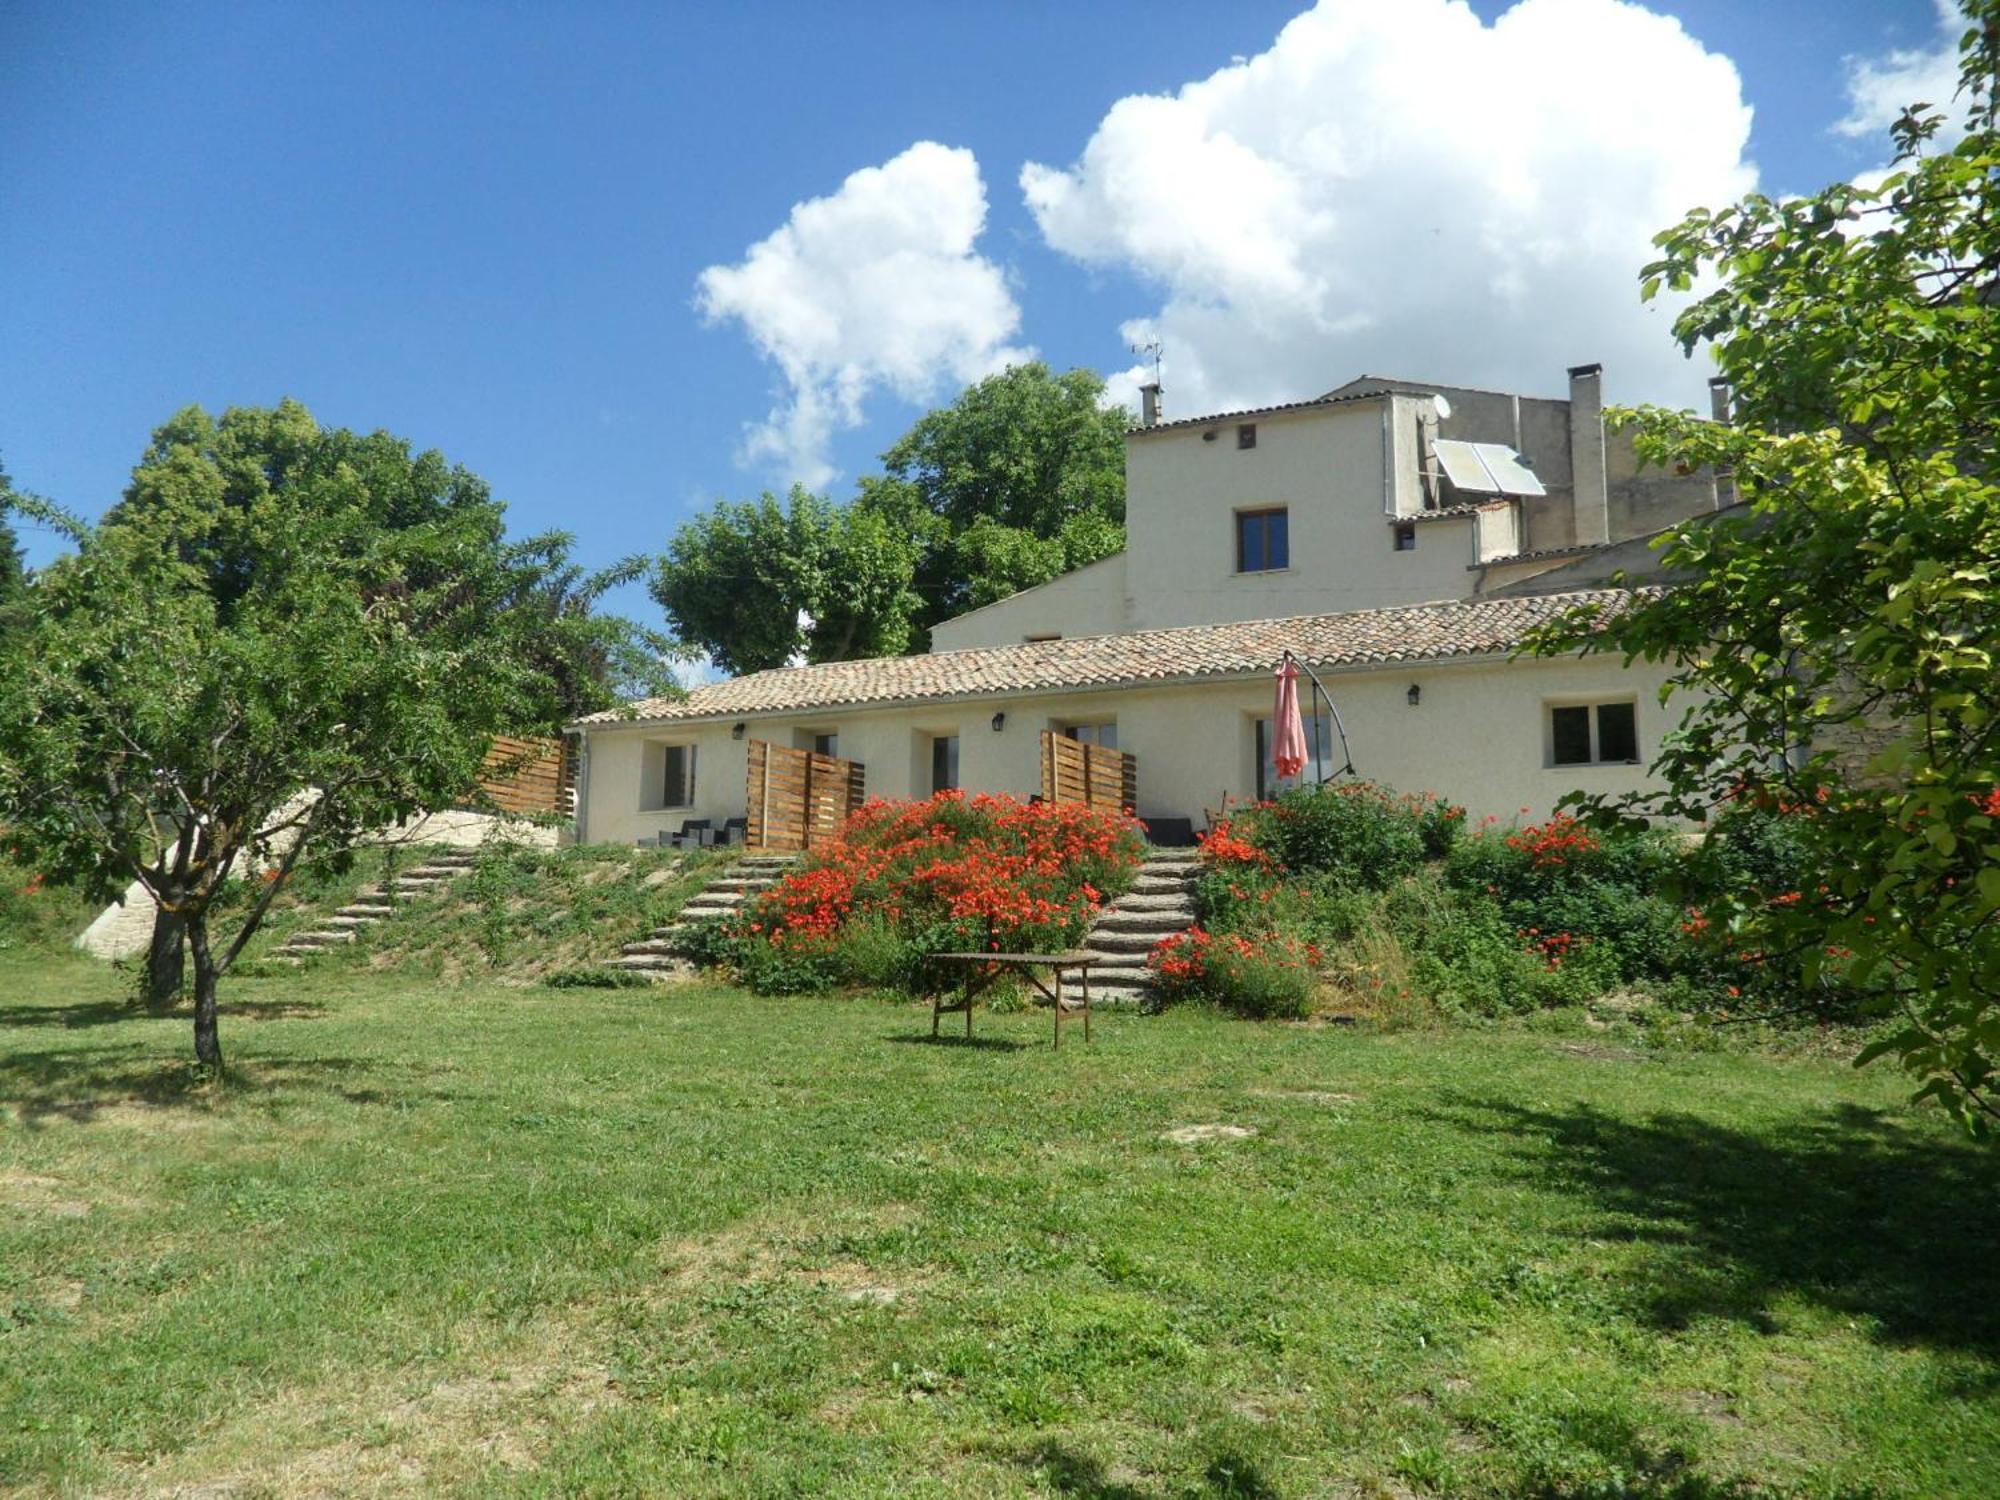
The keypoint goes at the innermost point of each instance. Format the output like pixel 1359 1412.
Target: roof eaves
pixel 1214 418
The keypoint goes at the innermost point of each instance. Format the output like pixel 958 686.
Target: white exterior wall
pixel 1090 601
pixel 1479 736
pixel 1332 468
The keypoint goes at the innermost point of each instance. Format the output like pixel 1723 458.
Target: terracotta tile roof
pixel 1538 554
pixel 1422 632
pixel 1449 512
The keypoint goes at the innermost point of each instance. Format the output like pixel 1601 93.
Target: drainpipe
pixel 582 785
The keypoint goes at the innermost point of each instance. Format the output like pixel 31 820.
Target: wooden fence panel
pixel 1091 774
pixel 799 799
pixel 530 775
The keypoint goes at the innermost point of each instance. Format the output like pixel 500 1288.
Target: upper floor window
pixel 1584 734
pixel 1246 435
pixel 1263 541
pixel 1406 536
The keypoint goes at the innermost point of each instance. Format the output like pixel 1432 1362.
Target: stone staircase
pixel 1160 904
pixel 655 955
pixel 374 904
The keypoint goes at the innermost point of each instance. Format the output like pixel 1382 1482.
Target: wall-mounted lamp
pixel 736 730
pixel 1415 695
pixel 999 721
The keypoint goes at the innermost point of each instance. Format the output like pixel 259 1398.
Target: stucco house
pixel 1398 537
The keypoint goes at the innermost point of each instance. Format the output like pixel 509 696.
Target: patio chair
pixel 695 833
pixel 1166 832
pixel 734 831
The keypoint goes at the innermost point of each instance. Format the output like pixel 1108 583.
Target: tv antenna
pixel 1152 350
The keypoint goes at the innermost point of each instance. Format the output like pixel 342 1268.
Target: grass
pixel 511 1240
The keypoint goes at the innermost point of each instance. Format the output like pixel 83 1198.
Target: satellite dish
pixel 1443 408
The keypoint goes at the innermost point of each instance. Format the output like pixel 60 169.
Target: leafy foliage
pixel 1833 640
pixel 13 567
pixel 952 874
pixel 243 666
pixel 1021 479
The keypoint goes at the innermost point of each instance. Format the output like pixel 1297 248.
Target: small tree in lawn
pixel 151 731
pixel 1852 600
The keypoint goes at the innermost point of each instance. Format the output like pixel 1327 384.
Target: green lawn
pixel 502 1241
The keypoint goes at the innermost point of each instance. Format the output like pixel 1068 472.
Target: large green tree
pixel 1018 480
pixel 157 728
pixel 222 494
pixel 13 565
pixel 1834 641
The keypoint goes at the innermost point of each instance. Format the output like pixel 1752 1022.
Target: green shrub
pixel 1361 832
pixel 1268 978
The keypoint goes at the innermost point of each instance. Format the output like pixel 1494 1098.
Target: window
pixel 677 786
pixel 826 744
pixel 1094 734
pixel 1583 734
pixel 1406 537
pixel 1322 754
pixel 1246 435
pixel 944 762
pixel 1263 544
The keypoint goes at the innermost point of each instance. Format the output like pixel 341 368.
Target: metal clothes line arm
pixel 1319 691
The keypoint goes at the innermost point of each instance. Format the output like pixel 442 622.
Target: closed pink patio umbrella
pixel 1288 747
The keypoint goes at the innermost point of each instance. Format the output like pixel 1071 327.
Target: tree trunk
pixel 207 1044
pixel 166 959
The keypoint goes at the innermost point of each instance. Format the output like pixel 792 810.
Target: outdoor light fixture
pixel 736 729
pixel 1416 695
pixel 999 721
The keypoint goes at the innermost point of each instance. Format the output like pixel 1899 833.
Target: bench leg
pixel 1086 1005
pixel 1058 1004
pixel 968 1004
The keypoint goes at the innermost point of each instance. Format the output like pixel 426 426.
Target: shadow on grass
pixel 1229 1476
pixel 83 1084
pixel 85 1013
pixel 977 1043
pixel 1847 1209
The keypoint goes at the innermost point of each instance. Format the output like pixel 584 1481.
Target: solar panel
pixel 1486 468
pixel 1511 476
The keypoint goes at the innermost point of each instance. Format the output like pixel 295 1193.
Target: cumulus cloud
pixel 1879 89
pixel 1404 190
pixel 875 287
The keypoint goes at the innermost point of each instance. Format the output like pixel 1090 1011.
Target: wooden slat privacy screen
pixel 530 775
pixel 1090 774
pixel 799 799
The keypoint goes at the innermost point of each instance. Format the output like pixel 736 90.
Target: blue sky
pixel 485 226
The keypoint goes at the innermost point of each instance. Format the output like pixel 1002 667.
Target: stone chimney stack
pixel 1591 494
pixel 1149 404
pixel 1720 401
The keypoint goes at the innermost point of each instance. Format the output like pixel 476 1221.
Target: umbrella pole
pixel 1319 690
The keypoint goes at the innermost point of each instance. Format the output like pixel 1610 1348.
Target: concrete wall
pixel 1479 735
pixel 1090 601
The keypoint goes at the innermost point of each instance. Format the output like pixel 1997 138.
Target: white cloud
pixel 1880 89
pixel 1403 190
pixel 875 287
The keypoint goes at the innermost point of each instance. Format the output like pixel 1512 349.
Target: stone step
pixel 316 940
pixel 343 920
pixel 1162 902
pixel 366 909
pixel 1153 880
pixel 655 946
pixel 1122 943
pixel 1115 966
pixel 1160 923
pixel 659 967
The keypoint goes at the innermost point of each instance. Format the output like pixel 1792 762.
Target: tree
pixel 1022 458
pixel 223 494
pixel 762 582
pixel 161 727
pixel 1020 479
pixel 13 566
pixel 1852 600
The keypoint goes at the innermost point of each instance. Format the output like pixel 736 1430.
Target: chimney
pixel 1720 400
pixel 1590 493
pixel 1149 404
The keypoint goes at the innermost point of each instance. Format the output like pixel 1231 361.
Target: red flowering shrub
pixel 1271 977
pixel 1560 841
pixel 955 873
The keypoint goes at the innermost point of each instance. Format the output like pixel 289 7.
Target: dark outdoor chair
pixel 734 831
pixel 1168 833
pixel 695 833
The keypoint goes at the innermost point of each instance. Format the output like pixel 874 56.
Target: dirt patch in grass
pixel 1326 1097
pixel 1194 1135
